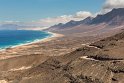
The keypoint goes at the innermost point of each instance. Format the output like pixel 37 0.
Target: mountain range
pixel 9 27
pixel 114 17
pixel 73 23
pixel 81 55
pixel 101 25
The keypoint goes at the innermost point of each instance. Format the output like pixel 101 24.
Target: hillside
pixel 106 24
pixel 98 62
pixel 114 17
pixel 74 58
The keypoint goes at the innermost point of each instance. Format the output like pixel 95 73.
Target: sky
pixel 28 10
pixel 50 12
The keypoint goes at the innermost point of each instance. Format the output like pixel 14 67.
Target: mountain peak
pixel 118 9
pixel 110 17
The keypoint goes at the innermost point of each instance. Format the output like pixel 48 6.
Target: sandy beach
pixel 54 36
pixel 15 49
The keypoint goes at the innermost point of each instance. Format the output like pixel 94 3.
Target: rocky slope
pixel 114 17
pixel 98 62
pixel 108 23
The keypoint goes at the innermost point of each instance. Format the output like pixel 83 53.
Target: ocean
pixel 11 38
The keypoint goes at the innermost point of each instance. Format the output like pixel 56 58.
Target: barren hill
pixel 99 62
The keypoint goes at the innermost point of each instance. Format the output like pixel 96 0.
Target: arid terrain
pixel 98 62
pixel 92 53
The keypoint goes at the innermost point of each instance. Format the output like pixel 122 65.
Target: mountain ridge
pixel 114 17
pixel 108 17
pixel 72 23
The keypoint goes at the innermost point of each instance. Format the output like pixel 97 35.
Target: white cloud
pixel 83 14
pixel 54 20
pixel 64 18
pixel 110 4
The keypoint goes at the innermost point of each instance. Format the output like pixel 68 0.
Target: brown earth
pixel 66 60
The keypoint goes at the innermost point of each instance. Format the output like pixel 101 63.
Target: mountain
pixel 101 61
pixel 9 27
pixel 19 27
pixel 114 17
pixel 72 23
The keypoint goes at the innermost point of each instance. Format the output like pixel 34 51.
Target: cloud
pixel 110 4
pixel 64 18
pixel 82 14
pixel 51 21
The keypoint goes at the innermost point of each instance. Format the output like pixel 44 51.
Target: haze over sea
pixel 10 38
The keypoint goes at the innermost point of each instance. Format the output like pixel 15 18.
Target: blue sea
pixel 10 38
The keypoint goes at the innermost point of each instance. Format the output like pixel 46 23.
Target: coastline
pixel 46 39
pixel 54 35
pixel 6 53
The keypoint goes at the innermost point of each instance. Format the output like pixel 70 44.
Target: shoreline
pixel 46 39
